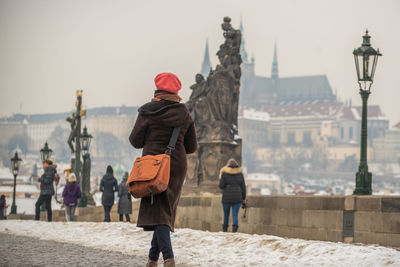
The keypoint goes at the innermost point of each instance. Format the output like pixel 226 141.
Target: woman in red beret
pixel 152 131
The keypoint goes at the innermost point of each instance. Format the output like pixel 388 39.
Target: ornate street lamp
pixel 85 139
pixel 45 152
pixel 366 58
pixel 15 164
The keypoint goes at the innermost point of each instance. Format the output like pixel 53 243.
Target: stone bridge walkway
pixel 26 251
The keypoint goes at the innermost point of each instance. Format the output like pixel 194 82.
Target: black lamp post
pixel 85 138
pixel 15 164
pixel 365 58
pixel 45 152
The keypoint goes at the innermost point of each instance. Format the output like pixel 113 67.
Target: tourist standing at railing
pixel 125 200
pixel 108 186
pixel 71 194
pixel 234 192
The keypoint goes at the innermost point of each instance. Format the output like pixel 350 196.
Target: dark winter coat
pixel 71 195
pixel 108 186
pixel 152 131
pixel 47 179
pixel 125 200
pixel 233 185
pixel 3 208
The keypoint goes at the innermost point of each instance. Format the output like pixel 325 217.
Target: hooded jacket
pixel 108 186
pixel 152 132
pixel 233 185
pixel 71 195
pixel 125 201
pixel 47 179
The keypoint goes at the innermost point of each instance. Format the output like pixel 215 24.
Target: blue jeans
pixel 161 242
pixel 235 211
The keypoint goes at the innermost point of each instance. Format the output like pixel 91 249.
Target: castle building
pixel 297 111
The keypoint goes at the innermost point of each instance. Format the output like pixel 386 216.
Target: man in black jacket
pixel 46 188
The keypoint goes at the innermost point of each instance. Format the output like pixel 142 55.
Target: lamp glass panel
pixel 375 61
pixel 356 61
pixel 85 143
pixel 14 164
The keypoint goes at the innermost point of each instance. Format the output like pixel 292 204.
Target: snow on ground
pixel 199 248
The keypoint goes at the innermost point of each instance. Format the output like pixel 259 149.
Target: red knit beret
pixel 167 81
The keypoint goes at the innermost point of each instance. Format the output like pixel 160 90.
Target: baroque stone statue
pixel 213 105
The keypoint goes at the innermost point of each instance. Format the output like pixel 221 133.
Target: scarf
pixel 166 96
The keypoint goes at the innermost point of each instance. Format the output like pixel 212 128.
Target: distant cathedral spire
pixel 243 52
pixel 206 66
pixel 274 72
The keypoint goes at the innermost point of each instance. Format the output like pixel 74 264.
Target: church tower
pixel 274 70
pixel 247 65
pixel 206 66
pixel 243 52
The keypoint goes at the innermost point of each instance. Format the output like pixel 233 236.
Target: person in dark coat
pixel 125 200
pixel 234 192
pixel 3 207
pixel 71 194
pixel 152 132
pixel 108 186
pixel 46 188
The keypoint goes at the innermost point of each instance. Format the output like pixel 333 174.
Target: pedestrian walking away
pixel 71 194
pixel 46 188
pixel 108 186
pixel 234 192
pixel 3 207
pixel 152 132
pixel 125 200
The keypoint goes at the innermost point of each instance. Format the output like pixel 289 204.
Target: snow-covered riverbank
pixel 199 248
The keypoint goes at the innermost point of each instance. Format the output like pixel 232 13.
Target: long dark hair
pixel 109 169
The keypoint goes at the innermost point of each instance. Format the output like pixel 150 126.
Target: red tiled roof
pixel 373 111
pixel 324 109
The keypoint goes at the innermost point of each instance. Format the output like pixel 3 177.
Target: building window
pixel 342 133
pixel 291 139
pixel 276 139
pixel 307 138
pixel 351 132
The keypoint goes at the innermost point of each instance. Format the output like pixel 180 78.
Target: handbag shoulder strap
pixel 173 140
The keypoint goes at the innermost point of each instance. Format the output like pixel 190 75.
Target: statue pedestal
pixel 204 166
pixel 90 200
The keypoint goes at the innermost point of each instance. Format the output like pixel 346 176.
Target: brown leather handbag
pixel 150 174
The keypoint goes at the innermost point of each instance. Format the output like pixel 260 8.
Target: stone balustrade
pixel 358 219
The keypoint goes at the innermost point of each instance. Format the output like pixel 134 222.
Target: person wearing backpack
pixel 152 132
pixel 108 186
pixel 125 200
pixel 71 194
pixel 234 192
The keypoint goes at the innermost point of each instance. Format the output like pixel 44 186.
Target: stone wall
pixel 376 219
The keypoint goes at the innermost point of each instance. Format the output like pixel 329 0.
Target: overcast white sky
pixel 113 49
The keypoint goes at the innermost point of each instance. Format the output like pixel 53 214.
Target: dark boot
pixel 151 263
pixel 234 228
pixel 169 263
pixel 224 228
